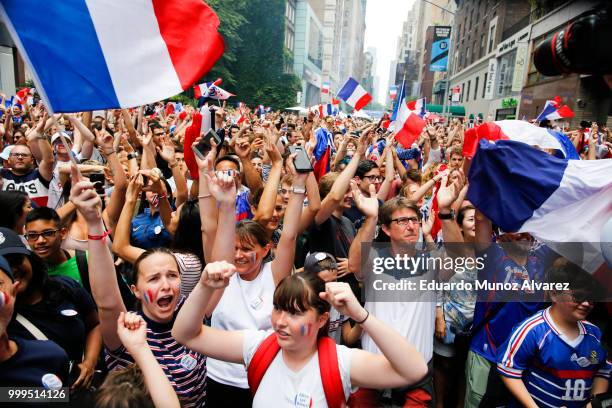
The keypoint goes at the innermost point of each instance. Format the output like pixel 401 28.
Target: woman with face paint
pixel 247 302
pixel 157 286
pixel 300 316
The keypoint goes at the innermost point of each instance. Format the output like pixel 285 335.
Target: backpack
pixel 328 365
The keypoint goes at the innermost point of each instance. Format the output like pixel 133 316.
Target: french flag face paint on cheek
pixel 149 296
pixel 306 329
pixel 4 299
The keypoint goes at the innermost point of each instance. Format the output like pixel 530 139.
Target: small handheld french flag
pixel 553 110
pixel 354 94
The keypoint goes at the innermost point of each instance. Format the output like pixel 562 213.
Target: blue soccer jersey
pixel 555 372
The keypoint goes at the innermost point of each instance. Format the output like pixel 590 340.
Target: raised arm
pixel 383 192
pixel 129 125
pixel 400 363
pixel 207 203
pixel 341 185
pixel 87 138
pixel 168 153
pixel 102 276
pixel 251 176
pixel 121 240
pixel 282 265
pixel 42 150
pixel 132 331
pixel 112 212
pixel 368 207
pixel 188 328
pixel 265 208
pixel 314 203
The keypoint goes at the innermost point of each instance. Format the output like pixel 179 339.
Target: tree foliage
pixel 252 66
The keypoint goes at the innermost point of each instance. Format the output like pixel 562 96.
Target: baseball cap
pixel 311 263
pixel 6 152
pixel 6 267
pixel 56 136
pixel 11 243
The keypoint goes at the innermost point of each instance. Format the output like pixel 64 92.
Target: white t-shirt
pixel 281 387
pixel 244 305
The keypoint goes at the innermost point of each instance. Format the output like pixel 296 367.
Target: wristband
pixel 204 195
pixel 366 318
pixel 109 153
pixel 100 237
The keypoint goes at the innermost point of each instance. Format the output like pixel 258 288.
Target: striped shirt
pixel 191 270
pixel 185 368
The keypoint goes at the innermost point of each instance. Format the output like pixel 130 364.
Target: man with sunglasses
pixel 22 173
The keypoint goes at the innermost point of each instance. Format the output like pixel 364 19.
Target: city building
pixel 12 68
pixel 343 39
pixel 369 72
pixel 308 52
pixel 485 41
pixel 587 95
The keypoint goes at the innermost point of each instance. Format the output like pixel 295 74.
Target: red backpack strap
pixel 261 360
pixel 330 373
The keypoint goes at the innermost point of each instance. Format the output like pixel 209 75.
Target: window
pixel 468 56
pixel 482 45
pixel 491 38
pixel 476 88
pixel 484 84
pixel 467 94
pixel 505 74
pixel 462 90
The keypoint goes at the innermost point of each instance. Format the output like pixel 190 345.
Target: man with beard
pixel 513 260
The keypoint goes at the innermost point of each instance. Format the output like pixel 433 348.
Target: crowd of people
pixel 137 271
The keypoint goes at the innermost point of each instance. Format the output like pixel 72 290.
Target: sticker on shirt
pixel 188 362
pixel 51 381
pixel 257 303
pixel 69 312
pixel 302 400
pixel 157 230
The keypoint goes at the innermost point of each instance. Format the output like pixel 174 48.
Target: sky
pixel 384 20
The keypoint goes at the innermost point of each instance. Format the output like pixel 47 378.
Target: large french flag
pixel 408 126
pixel 554 111
pixel 101 54
pixel 519 131
pixel 354 94
pixel 523 189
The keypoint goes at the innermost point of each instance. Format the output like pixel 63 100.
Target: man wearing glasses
pixel 22 173
pixel 410 311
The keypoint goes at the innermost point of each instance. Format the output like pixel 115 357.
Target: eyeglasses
pixel 33 236
pixel 405 221
pixel 230 172
pixel 581 297
pixel 373 179
pixel 24 155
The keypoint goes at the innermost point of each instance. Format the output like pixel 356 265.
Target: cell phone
pixel 355 134
pixel 301 162
pixel 204 146
pixel 98 181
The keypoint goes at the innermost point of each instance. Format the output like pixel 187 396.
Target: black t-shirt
pixel 37 363
pixel 356 216
pixel 64 322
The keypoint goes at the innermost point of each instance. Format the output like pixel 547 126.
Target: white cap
pixel 6 152
pixel 57 135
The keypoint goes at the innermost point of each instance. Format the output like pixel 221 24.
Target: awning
pixel 454 110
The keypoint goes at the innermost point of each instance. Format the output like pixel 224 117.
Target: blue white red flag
pixel 408 126
pixel 418 107
pixel 399 102
pixel 328 110
pixel 354 94
pixel 554 111
pixel 90 55
pixel 212 91
pixel 539 194
pixel 325 87
pixel 393 92
pixel 322 152
pixel 519 131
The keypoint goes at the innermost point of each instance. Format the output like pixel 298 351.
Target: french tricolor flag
pixel 418 107
pixel 328 110
pixel 90 54
pixel 556 200
pixel 354 94
pixel 554 111
pixel 518 131
pixel 408 126
pixel 325 87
